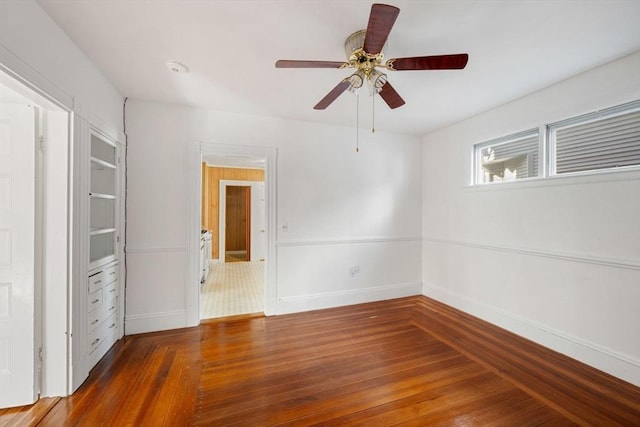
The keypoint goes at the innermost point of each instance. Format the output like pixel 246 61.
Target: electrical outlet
pixel 354 270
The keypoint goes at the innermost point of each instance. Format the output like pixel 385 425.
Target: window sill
pixel 575 179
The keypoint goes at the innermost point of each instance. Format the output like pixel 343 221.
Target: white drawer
pixel 106 333
pixel 111 274
pixel 96 281
pixel 110 306
pixel 94 319
pixel 111 289
pixel 101 278
pixel 95 301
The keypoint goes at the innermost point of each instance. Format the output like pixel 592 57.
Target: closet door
pixel 17 255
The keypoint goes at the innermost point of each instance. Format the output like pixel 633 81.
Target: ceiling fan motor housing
pixel 357 57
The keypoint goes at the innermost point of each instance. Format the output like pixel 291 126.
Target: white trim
pixel 152 322
pixel 52 302
pixel 565 256
pixel 348 297
pixel 617 364
pixel 631 173
pixel 194 167
pixel 28 76
pixel 193 273
pixel 338 241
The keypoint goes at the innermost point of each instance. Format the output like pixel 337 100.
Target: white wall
pixel 35 49
pixel 557 261
pixel 341 209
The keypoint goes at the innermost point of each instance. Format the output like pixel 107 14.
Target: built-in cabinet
pixel 102 201
pixel 104 320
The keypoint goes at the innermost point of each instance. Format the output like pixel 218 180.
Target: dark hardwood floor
pixel 409 361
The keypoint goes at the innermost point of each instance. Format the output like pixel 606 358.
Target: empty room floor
pixel 233 288
pixel 410 361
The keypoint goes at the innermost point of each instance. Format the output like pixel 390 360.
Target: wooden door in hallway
pixel 238 223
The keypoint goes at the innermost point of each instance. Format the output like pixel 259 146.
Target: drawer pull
pixel 113 325
pixel 94 322
pixel 97 282
pixel 111 273
pixel 95 301
pixel 112 308
pixel 96 341
pixel 112 290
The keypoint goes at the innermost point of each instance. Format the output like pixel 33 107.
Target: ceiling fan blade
pixel 381 20
pixel 391 97
pixel 439 62
pixel 283 63
pixel 333 95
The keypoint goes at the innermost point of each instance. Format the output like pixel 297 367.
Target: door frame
pixel 222 216
pixel 53 305
pixel 194 191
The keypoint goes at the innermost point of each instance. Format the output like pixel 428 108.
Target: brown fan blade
pixel 283 63
pixel 440 62
pixel 381 20
pixel 333 95
pixel 391 97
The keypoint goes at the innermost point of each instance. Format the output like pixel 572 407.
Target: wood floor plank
pixel 562 383
pixel 409 361
pixel 27 415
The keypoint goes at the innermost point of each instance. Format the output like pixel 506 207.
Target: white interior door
pixel 17 251
pixel 258 238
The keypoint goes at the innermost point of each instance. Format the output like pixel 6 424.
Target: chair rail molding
pixel 566 256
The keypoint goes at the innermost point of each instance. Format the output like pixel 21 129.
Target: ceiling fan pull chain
pixel 373 113
pixel 357 121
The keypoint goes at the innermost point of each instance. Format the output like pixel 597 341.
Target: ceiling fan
pixel 364 52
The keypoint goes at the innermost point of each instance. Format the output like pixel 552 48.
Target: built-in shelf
pixel 104 163
pixel 96 231
pixel 102 196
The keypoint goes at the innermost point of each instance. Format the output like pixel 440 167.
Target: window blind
pixel 610 142
pixel 509 160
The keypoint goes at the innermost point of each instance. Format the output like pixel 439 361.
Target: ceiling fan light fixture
pixel 364 51
pixel 356 80
pixel 376 81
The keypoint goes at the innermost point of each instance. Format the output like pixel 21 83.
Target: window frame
pixel 552 128
pixel 547 147
pixel 503 140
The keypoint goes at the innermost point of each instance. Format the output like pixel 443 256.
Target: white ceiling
pixel 515 47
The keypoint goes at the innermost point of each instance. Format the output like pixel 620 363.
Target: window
pixel 509 158
pixel 607 139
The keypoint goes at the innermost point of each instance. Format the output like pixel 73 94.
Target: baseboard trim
pixel 315 242
pixel 607 360
pixel 583 258
pixel 318 301
pixel 152 322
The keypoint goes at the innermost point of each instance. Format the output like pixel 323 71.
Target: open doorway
pixel 233 215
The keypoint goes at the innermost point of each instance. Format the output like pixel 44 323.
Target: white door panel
pixel 17 251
